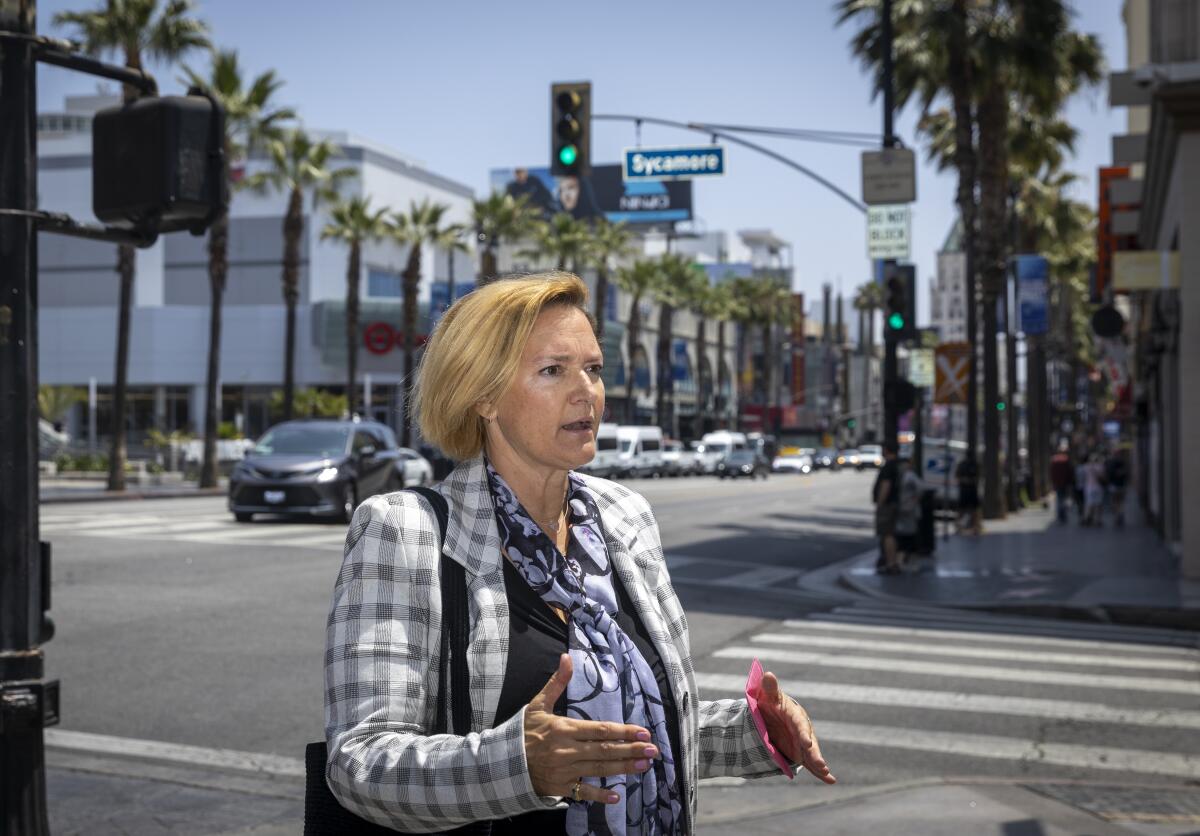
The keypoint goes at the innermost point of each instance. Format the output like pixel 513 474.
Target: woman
pixel 586 713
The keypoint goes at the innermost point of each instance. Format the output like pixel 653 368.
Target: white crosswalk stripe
pixel 219 528
pixel 934 691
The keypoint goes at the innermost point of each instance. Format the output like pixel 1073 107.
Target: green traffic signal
pixel 851 424
pixel 568 154
pixel 896 322
pixel 1000 406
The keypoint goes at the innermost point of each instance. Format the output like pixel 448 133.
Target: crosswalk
pixel 1079 701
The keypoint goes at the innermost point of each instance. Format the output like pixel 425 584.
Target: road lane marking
pixel 87 525
pixel 1155 685
pixel 1012 749
pixel 965 702
pixel 103 744
pixel 1096 658
pixel 1004 638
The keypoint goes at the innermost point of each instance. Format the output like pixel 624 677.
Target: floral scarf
pixel 612 680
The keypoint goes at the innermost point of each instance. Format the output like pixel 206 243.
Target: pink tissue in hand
pixel 754 692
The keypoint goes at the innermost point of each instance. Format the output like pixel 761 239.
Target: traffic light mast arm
pixel 700 127
pixel 62 53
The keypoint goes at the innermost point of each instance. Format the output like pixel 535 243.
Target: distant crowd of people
pixel 1093 481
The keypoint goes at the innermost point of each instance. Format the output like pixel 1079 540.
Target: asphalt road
pixel 177 624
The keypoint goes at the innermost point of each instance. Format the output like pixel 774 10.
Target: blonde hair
pixel 473 354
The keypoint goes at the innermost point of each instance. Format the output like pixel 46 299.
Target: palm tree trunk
pixel 965 161
pixel 487 266
pixel 412 280
pixel 601 298
pixel 293 227
pixel 218 268
pixel 719 399
pixel 635 326
pixel 666 377
pixel 353 268
pixel 768 374
pixel 117 452
pixel 993 140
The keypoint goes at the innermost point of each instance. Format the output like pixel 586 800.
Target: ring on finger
pixel 575 790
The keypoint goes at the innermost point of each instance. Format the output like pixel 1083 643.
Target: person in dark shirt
pixel 1062 478
pixel 886 495
pixel 967 474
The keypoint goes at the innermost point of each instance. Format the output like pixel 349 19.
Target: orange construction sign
pixel 952 370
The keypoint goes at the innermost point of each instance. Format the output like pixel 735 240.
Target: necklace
pixel 558 521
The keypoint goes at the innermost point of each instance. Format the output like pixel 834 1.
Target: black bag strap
pixel 455 629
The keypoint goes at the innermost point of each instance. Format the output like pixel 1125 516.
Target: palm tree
pixel 562 240
pixel 136 29
pixel 719 305
pixel 451 240
pixel 419 226
pixel 250 119
pixel 299 165
pixel 497 219
pixel 638 280
pixel 677 277
pixel 609 242
pixel 706 302
pixel 354 222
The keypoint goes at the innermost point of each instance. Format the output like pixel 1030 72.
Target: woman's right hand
pixel 561 751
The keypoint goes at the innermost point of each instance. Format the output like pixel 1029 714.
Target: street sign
pixel 952 368
pixel 889 232
pixel 673 163
pixel 889 176
pixel 1033 276
pixel 920 367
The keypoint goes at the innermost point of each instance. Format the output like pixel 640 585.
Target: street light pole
pixel 890 368
pixel 27 701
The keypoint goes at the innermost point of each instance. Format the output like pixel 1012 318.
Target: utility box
pixel 158 164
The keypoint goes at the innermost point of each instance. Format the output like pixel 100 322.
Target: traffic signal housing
pixel 899 307
pixel 570 128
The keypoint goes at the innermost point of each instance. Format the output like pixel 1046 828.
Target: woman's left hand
pixel 791 730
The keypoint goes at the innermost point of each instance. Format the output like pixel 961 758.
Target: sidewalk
pixel 156 790
pixel 1030 564
pixel 51 490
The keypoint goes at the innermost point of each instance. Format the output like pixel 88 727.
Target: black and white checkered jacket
pixel 381 663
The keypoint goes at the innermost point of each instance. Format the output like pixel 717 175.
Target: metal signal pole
pixel 27 701
pixel 890 369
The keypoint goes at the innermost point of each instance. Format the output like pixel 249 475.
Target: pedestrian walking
pixel 908 513
pixel 1062 479
pixel 1093 490
pixel 1116 475
pixel 886 495
pixel 967 475
pixel 585 713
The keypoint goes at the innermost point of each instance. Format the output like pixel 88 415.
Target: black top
pixel 536 638
pixel 890 472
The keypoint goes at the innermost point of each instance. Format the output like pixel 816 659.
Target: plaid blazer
pixel 381 663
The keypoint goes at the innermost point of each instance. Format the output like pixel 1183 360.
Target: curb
pixel 110 496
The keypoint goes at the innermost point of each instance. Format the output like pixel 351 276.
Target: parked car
pixel 321 468
pixel 716 445
pixel 870 455
pixel 607 459
pixel 743 463
pixel 792 460
pixel 826 458
pixel 416 469
pixel 640 451
pixel 849 458
pixel 678 460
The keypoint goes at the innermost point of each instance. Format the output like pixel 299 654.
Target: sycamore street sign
pixel 673 163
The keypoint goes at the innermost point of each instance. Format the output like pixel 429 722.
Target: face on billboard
pixel 603 192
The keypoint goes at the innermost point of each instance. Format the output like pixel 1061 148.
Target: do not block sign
pixel 889 232
pixel 952 370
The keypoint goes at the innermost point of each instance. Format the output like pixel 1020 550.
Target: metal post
pixel 918 449
pixel 25 698
pixel 889 138
pixel 1010 362
pixel 890 371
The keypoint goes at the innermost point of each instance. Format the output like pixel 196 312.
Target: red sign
pixel 379 337
pixel 1106 242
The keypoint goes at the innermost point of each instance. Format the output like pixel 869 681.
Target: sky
pixel 463 87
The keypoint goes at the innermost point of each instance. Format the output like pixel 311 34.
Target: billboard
pixel 603 192
pixel 1033 276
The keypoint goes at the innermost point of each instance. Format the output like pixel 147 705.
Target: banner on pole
pixel 952 370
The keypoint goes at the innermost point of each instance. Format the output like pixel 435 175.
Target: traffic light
pixel 570 128
pixel 1001 406
pixel 896 306
pixel 851 423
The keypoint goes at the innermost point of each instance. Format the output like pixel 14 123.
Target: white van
pixel 607 459
pixel 640 451
pixel 716 445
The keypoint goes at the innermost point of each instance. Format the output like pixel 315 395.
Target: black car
pixel 320 468
pixel 826 458
pixel 743 463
